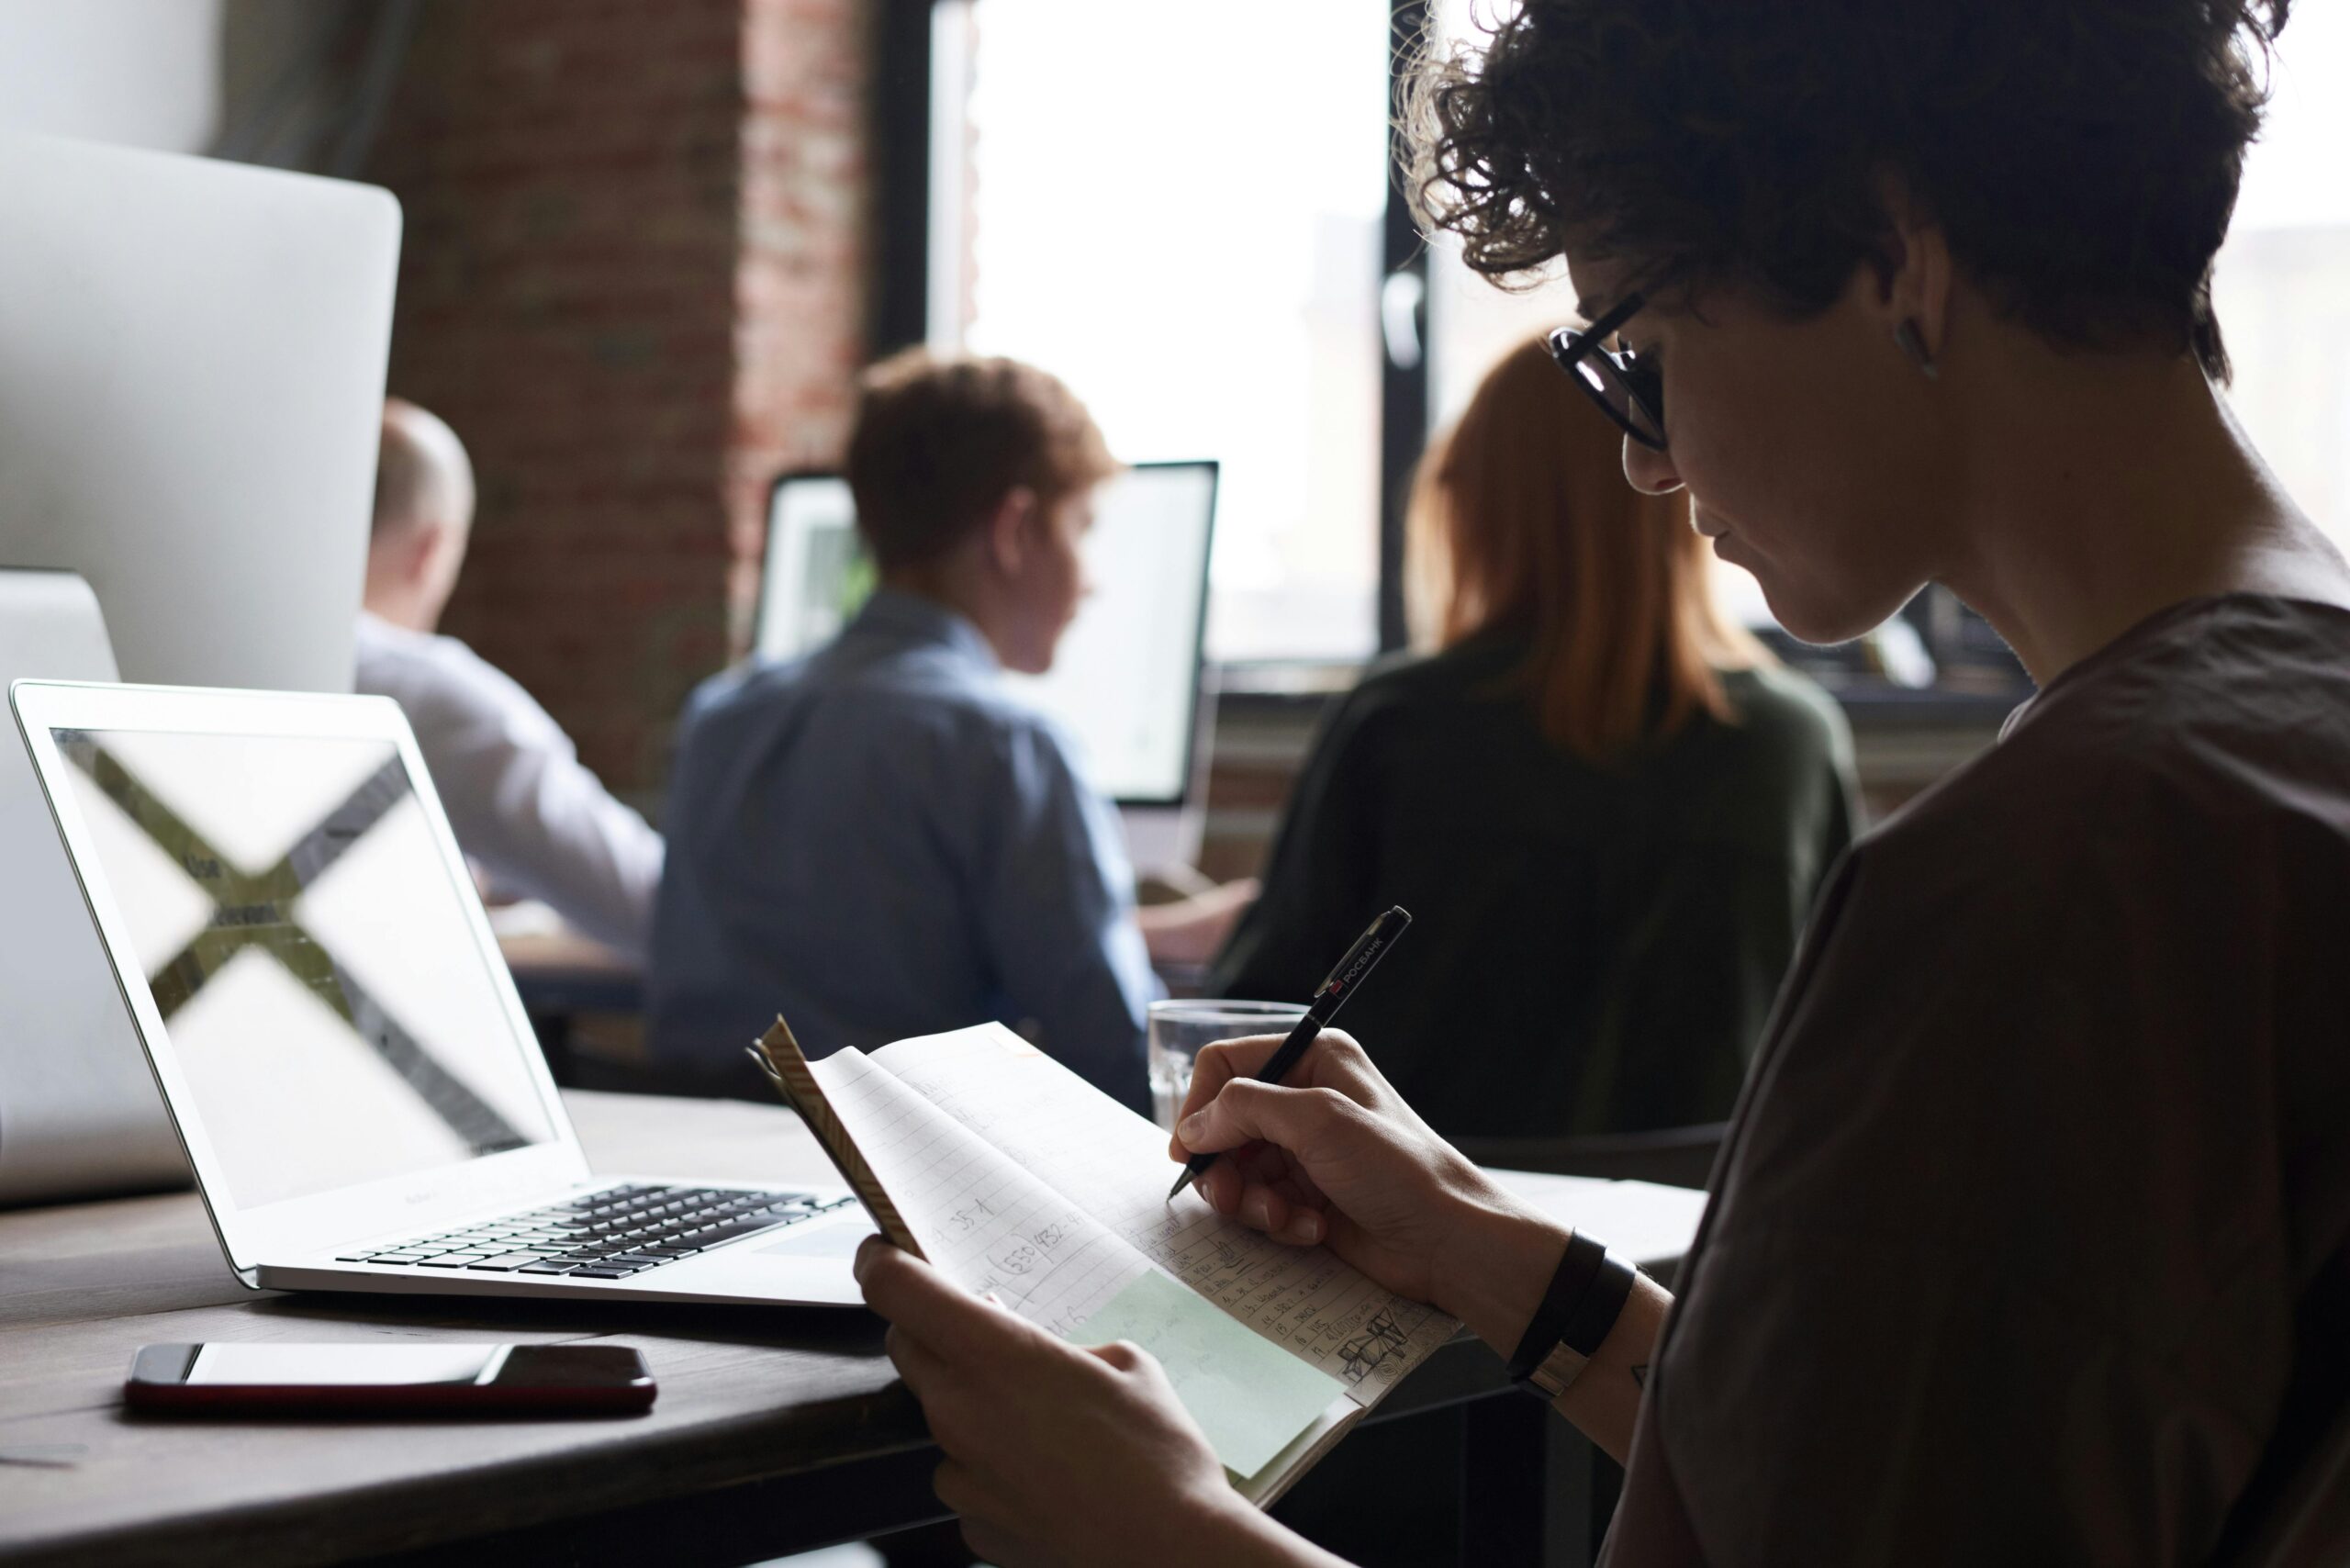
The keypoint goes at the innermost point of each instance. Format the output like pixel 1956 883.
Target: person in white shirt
pixel 526 812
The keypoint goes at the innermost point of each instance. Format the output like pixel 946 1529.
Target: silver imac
pixel 1129 681
pixel 192 361
pixel 79 1114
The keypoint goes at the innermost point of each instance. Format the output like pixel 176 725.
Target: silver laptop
pixel 335 1035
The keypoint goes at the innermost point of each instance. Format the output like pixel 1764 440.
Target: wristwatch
pixel 1586 1295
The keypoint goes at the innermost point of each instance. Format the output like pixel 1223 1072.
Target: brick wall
pixel 631 281
pixel 802 276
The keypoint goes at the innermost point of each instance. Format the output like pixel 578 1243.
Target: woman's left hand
pixel 1056 1454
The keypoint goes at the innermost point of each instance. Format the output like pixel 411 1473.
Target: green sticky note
pixel 1250 1396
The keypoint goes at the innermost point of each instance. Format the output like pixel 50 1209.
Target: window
pixel 2281 287
pixel 1178 209
pixel 2282 283
pixel 1184 209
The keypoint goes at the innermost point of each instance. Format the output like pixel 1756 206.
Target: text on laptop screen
pixel 312 959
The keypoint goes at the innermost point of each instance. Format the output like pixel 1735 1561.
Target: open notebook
pixel 1011 1174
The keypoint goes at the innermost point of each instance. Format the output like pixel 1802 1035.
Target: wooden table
pixel 776 1429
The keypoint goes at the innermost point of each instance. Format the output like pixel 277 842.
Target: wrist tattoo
pixel 1640 1376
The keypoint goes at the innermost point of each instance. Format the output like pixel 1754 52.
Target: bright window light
pixel 2282 284
pixel 1177 208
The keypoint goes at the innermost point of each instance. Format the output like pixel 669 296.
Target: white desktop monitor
pixel 192 361
pixel 79 1114
pixel 816 573
pixel 1127 682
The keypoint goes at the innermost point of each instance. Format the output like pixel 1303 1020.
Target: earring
pixel 1914 346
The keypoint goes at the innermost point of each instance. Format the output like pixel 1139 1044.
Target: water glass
pixel 1179 1029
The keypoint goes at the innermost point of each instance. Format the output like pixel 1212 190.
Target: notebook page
pixel 985 1223
pixel 1112 1163
pixel 981 1220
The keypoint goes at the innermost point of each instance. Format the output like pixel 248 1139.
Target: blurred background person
pixel 534 821
pixel 882 839
pixel 1605 806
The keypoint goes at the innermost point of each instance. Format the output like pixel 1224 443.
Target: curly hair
pixel 2082 156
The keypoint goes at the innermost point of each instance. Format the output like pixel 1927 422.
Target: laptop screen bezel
pixel 292 1229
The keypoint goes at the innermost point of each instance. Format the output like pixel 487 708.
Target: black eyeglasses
pixel 1630 389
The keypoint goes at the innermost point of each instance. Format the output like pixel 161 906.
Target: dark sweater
pixel 2031 1241
pixel 1593 949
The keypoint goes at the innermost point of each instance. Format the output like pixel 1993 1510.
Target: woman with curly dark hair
pixel 2031 1239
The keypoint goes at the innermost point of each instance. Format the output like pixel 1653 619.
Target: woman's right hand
pixel 1335 1154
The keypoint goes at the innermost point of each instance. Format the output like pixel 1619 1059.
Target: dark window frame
pixel 1403 391
pixel 897 137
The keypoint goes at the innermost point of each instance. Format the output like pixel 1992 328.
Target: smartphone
pixel 380 1379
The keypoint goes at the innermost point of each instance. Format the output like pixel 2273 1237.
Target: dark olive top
pixel 1594 948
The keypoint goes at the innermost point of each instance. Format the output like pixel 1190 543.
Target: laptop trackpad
pixel 826 1241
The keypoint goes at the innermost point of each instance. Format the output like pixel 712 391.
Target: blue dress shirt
pixel 881 840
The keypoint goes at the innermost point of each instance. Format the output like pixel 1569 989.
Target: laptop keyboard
pixel 604 1236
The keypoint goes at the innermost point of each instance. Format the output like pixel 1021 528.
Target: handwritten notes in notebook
pixel 979 1217
pixel 1013 1175
pixel 1248 1396
pixel 985 1221
pixel 1113 1164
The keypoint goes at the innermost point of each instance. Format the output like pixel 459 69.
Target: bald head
pixel 422 475
pixel 424 510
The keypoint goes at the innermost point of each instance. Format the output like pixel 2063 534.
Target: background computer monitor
pixel 192 360
pixel 1126 682
pixel 816 573
pixel 79 1114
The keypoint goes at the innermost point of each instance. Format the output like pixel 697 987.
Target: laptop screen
pixel 311 953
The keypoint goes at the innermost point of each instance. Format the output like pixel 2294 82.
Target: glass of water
pixel 1178 1030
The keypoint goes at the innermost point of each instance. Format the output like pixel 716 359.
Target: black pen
pixel 1344 980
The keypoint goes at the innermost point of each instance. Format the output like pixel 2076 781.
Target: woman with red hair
pixel 1605 807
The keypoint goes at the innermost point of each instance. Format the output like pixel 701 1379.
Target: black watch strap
pixel 1585 1257
pixel 1595 1316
